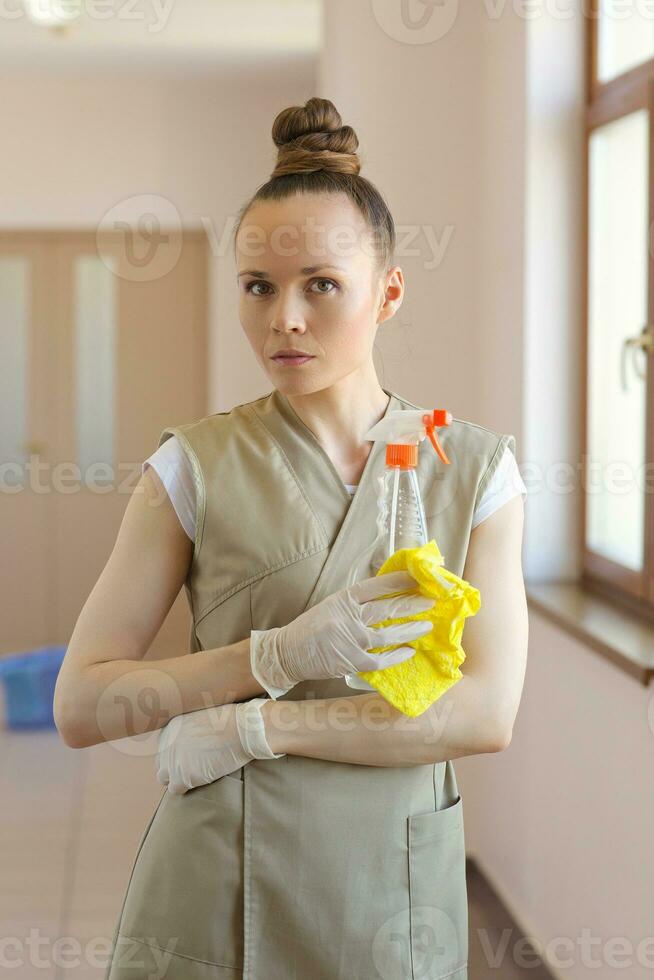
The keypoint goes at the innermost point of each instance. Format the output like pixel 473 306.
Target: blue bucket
pixel 29 680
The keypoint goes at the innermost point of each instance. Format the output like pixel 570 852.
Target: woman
pixel 307 830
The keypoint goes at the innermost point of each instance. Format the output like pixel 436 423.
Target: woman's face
pixel 308 280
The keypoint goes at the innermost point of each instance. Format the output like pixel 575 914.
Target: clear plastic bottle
pixel 400 514
pixel 401 519
pixel 401 522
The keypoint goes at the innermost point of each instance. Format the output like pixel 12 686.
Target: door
pixel 99 359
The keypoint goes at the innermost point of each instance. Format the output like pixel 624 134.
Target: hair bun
pixel 312 137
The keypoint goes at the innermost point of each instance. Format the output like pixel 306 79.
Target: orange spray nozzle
pixel 402 430
pixel 440 416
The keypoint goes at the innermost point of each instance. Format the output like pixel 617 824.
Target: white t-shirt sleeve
pixel 172 465
pixel 504 484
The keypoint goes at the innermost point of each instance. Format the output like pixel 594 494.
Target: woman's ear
pixel 392 294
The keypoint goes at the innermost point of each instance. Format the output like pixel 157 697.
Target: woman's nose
pixel 288 327
pixel 286 316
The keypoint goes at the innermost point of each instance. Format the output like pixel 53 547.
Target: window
pixel 619 323
pixel 95 302
pixel 625 37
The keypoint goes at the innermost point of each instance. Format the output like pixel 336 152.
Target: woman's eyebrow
pixel 307 270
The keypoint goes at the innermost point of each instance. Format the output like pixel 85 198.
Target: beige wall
pixel 417 111
pixel 553 276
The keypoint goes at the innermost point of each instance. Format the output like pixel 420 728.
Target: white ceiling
pixel 162 34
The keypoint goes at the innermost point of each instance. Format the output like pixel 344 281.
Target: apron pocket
pixel 438 900
pixel 185 894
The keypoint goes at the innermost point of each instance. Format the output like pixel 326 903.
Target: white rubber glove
pixel 199 747
pixel 331 638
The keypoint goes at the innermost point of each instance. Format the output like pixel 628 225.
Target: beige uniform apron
pixel 299 868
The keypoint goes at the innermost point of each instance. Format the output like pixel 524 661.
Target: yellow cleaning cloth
pixel 416 683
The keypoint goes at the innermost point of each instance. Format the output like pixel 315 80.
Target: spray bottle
pixel 400 514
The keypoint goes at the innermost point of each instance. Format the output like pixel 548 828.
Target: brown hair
pixel 317 154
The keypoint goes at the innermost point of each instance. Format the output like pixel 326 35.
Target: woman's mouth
pixel 292 359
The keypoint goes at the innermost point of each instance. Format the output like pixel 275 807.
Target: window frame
pixel 605 102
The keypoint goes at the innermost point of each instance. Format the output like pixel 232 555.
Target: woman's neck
pixel 339 416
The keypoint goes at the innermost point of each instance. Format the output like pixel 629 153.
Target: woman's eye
pixel 329 282
pixel 250 287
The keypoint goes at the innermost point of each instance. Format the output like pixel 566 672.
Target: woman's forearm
pixel 366 730
pixel 118 698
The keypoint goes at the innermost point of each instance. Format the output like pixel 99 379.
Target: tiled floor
pixel 71 821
